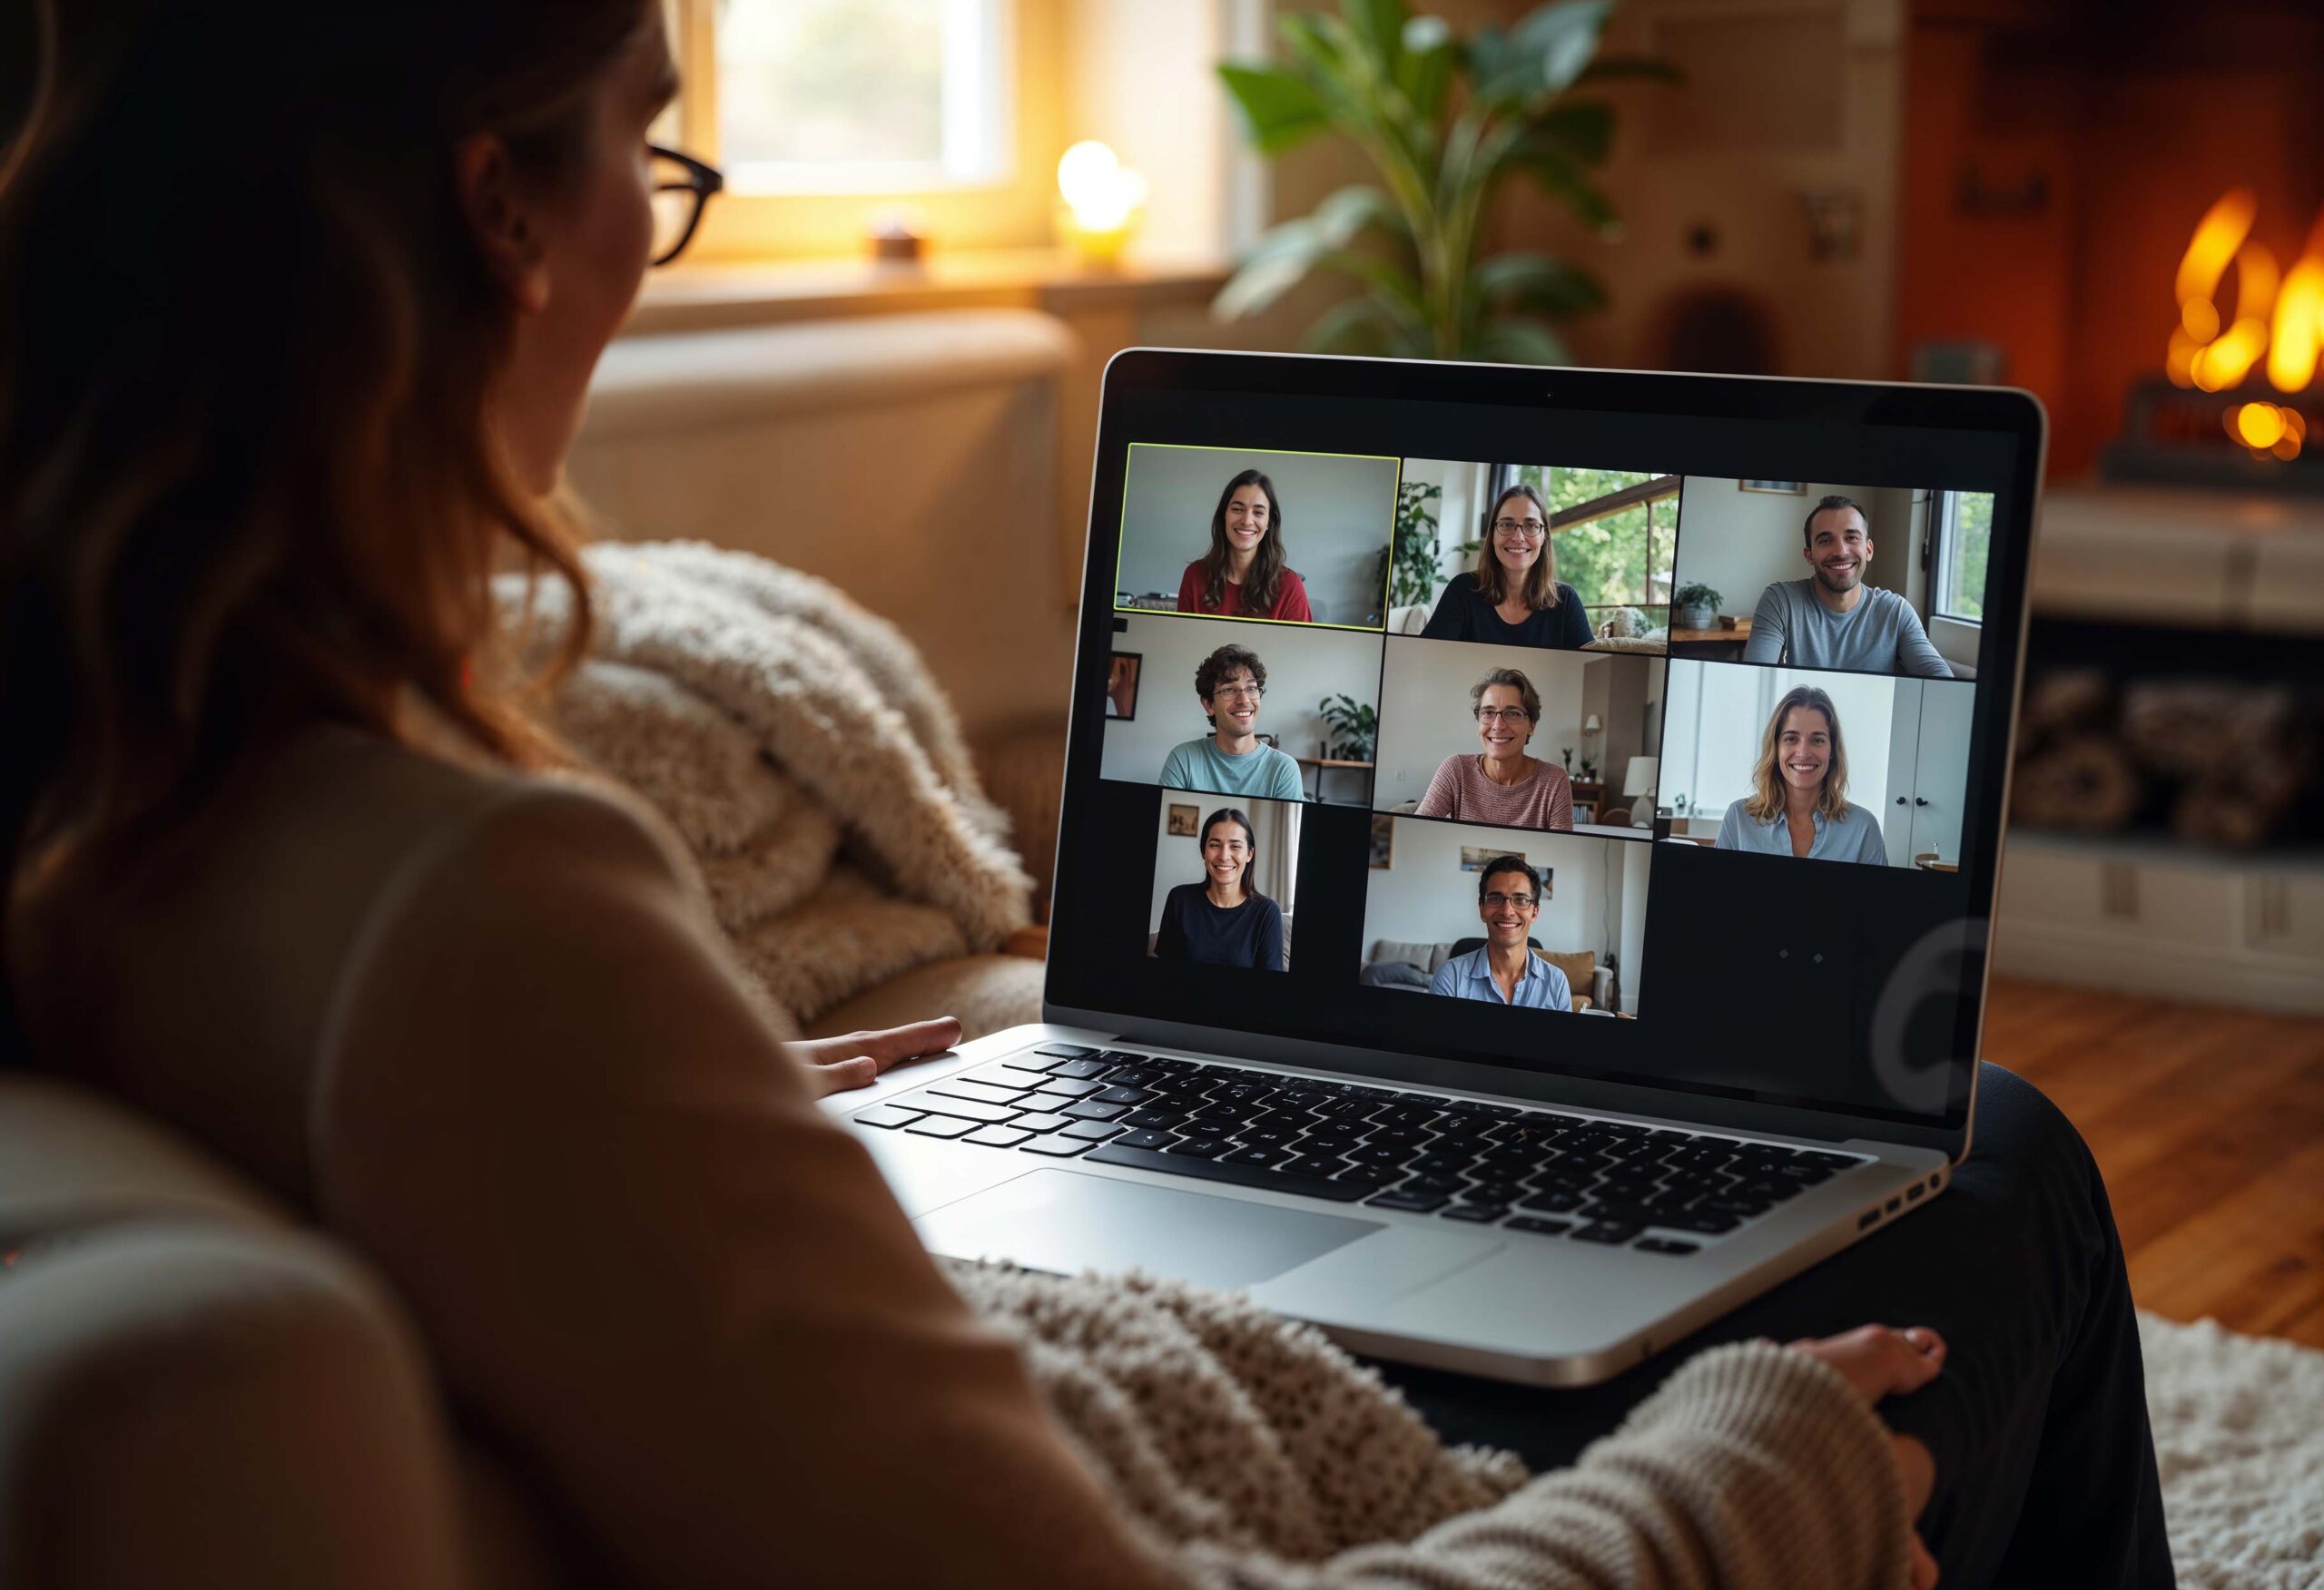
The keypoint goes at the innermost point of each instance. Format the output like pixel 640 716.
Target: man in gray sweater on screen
pixel 1833 619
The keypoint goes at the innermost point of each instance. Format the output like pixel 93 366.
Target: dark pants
pixel 2044 1463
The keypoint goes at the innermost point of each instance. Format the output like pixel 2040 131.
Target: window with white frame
pixel 851 96
pixel 1965 530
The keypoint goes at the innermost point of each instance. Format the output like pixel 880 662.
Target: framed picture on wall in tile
pixel 1784 487
pixel 1383 841
pixel 1184 819
pixel 1122 685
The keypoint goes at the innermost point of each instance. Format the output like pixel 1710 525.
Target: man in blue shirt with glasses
pixel 1505 969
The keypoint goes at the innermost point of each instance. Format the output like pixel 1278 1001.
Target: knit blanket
pixel 797 743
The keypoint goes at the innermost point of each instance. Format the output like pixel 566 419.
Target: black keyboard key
pixel 1066 1051
pixel 1618 1213
pixel 1413 1201
pixel 998 1136
pixel 1383 1154
pixel 1091 1131
pixel 1133 1076
pixel 1215 1131
pixel 1476 1214
pixel 1119 1095
pixel 960 1109
pixel 1219 1170
pixel 1440 1162
pixel 1091 1110
pixel 1038 1122
pixel 1836 1161
pixel 1153 1119
pixel 1370 1175
pixel 1488 1192
pixel 1551 1202
pixel 1270 1158
pixel 1316 1164
pixel 941 1126
pixel 1057 1146
pixel 1123 1057
pixel 1539 1226
pixel 1804 1176
pixel 1281 1137
pixel 1403 1116
pixel 1069 1088
pixel 1451 1186
pixel 1462 1128
pixel 1336 1144
pixel 1727 1203
pixel 1770 1187
pixel 1147 1139
pixel 1083 1070
pixel 1709 1222
pixel 1665 1246
pixel 1605 1232
pixel 887 1115
pixel 1198 1148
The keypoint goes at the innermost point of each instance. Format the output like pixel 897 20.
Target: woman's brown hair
pixel 1542 579
pixel 1766 804
pixel 1265 573
pixel 247 476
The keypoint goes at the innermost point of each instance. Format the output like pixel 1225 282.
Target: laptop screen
pixel 1641 729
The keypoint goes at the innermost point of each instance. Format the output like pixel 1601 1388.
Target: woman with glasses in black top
pixel 1513 596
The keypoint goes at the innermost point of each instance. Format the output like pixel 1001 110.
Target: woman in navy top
pixel 1222 921
pixel 1513 596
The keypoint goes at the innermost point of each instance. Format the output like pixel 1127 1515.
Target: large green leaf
pixel 1281 110
pixel 1521 342
pixel 1358 326
pixel 1285 253
pixel 1536 284
pixel 1586 128
pixel 1499 72
pixel 1378 26
pixel 1424 71
pixel 1561 37
pixel 1544 158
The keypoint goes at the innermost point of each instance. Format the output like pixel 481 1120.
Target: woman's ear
pixel 507 230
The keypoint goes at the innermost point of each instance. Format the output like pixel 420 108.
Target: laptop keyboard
pixel 1540 1172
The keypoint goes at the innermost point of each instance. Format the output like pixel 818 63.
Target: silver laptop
pixel 1526 849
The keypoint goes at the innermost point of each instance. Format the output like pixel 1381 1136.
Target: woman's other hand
pixel 856 1059
pixel 1880 1361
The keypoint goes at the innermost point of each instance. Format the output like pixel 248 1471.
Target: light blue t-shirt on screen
pixel 1470 976
pixel 1854 837
pixel 1262 773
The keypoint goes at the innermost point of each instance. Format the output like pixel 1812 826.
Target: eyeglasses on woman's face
pixel 1525 530
pixel 682 187
pixel 1512 715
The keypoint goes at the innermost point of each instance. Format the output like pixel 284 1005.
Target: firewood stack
pixel 2211 763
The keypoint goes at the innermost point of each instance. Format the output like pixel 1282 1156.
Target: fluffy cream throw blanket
pixel 797 743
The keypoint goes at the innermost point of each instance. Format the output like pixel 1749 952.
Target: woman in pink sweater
pixel 1500 784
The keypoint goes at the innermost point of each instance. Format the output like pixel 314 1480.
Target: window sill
pixel 716 294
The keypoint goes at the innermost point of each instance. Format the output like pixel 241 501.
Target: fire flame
pixel 2279 319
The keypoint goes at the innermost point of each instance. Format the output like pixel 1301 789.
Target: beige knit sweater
pixel 486 1029
pixel 1253 1453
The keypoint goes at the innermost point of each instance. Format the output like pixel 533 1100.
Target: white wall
pixel 1597 890
pixel 1178 858
pixel 1740 542
pixel 1718 712
pixel 1304 666
pixel 1338 513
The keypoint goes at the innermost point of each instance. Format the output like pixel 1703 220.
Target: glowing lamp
pixel 1100 201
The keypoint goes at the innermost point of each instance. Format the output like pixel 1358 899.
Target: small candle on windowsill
pixel 1100 202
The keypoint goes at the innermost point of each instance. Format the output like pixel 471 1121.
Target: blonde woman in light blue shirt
pixel 1798 802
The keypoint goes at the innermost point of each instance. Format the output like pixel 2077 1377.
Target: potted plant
pixel 1354 726
pixel 1411 560
pixel 1445 120
pixel 1695 605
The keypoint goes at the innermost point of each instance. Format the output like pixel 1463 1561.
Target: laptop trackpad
pixel 1065 1223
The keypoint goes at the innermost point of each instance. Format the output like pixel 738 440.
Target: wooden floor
pixel 2209 1125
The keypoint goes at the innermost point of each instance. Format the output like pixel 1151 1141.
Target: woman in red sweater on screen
pixel 1243 575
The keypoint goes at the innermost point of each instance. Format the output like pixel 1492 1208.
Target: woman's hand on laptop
pixel 857 1059
pixel 1880 1361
